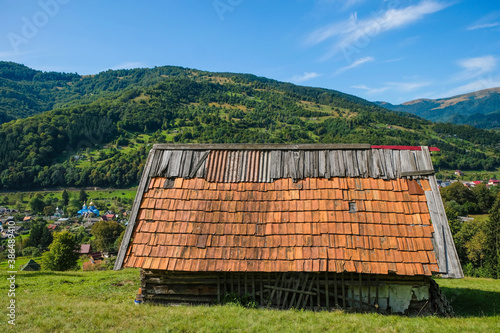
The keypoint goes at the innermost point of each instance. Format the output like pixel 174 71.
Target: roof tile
pixel 317 219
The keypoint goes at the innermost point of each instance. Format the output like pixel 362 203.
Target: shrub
pixel 31 251
pixel 239 300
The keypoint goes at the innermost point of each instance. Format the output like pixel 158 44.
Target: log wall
pixel 348 291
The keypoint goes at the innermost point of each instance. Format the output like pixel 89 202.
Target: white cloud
pixel 483 26
pixel 407 86
pixel 490 20
pixel 356 33
pixel 305 77
pixel 474 67
pixel 395 86
pixel 393 60
pixel 13 54
pixel 480 84
pixel 343 4
pixel 369 90
pixel 128 65
pixel 356 63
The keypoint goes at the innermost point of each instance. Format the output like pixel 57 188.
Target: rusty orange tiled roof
pixel 290 208
pixel 285 226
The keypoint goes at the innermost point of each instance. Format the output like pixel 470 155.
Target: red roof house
pixel 493 182
pixel 85 249
pixel 291 225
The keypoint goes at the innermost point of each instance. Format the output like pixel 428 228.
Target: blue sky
pixel 394 50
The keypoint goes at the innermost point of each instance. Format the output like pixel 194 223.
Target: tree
pixel 106 233
pixel 65 198
pixel 492 255
pixel 40 236
pixel 71 211
pixel 37 205
pixel 48 210
pixel 63 253
pixel 31 251
pixel 484 197
pixel 82 236
pixel 118 241
pixel 83 196
pixel 457 192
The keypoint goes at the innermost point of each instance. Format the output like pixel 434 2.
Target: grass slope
pixel 103 302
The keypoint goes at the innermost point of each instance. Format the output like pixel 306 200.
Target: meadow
pixel 103 301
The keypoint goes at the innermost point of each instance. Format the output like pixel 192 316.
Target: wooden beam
pixel 306 298
pixel 202 159
pixel 417 173
pixel 290 290
pixel 252 146
pixel 143 184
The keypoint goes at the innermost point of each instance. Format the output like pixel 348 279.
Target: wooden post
pixel 327 293
pixel 319 288
pixel 225 283
pixel 261 290
pixel 304 286
pixel 287 286
pixel 218 289
pixel 253 286
pixel 376 293
pixel 369 293
pixel 335 275
pixel 297 285
pixel 352 291
pixel 246 283
pixel 343 292
pixel 360 292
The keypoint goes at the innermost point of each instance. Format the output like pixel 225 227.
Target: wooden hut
pixel 291 226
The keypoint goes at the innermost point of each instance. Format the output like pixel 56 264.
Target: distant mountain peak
pixel 479 108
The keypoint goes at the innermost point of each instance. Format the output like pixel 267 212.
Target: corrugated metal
pixel 268 165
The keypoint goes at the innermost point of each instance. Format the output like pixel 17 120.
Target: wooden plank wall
pixel 275 290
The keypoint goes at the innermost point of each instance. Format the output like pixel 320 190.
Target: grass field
pixel 103 302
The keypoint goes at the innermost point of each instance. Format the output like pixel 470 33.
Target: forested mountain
pixel 25 92
pixel 100 127
pixel 479 109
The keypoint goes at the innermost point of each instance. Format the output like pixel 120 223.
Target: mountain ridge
pixel 101 127
pixel 479 109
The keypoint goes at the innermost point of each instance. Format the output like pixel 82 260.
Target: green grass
pixel 103 302
pixel 479 218
pixel 20 261
pixel 108 194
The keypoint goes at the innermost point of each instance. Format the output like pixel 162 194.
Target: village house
pixel 52 227
pixel 356 227
pixel 108 217
pixel 493 182
pixel 28 218
pixel 85 249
